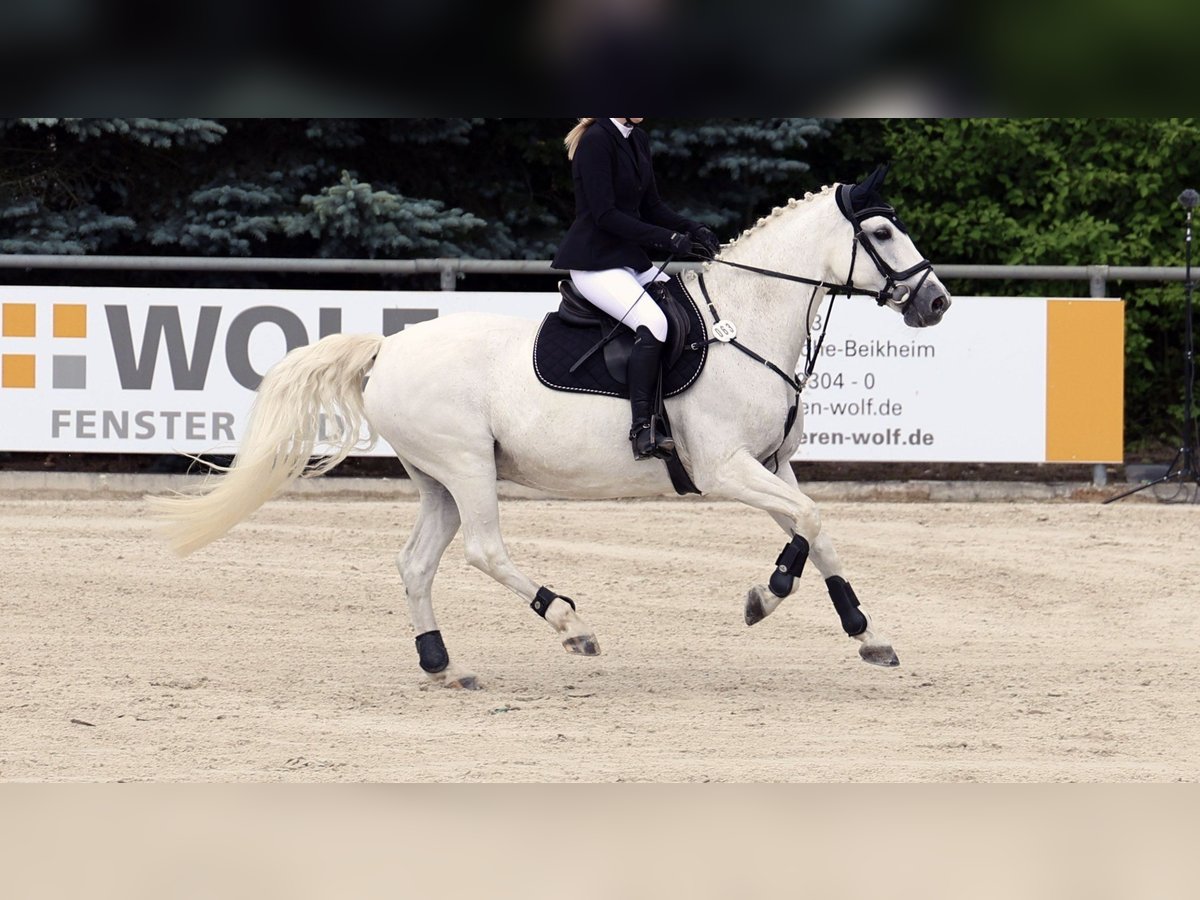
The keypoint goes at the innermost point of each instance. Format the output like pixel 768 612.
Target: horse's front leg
pixel 856 621
pixel 796 513
pixel 743 478
pixel 874 647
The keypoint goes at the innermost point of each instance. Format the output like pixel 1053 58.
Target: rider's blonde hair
pixel 571 141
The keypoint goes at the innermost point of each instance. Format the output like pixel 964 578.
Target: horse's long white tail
pixel 324 379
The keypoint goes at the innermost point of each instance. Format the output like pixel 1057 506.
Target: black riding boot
pixel 643 379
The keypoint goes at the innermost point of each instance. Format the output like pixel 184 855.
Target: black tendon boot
pixel 643 378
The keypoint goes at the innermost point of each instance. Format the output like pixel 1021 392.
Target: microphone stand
pixel 1183 467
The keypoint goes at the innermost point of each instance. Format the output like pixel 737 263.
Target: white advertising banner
pixel 971 388
pixel 171 370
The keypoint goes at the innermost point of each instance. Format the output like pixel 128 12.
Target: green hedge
pixel 1057 192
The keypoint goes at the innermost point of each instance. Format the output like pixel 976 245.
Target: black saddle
pixel 566 337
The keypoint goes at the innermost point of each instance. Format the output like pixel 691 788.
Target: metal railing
pixel 451 270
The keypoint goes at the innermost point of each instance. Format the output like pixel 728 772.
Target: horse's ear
pixel 869 192
pixel 874 183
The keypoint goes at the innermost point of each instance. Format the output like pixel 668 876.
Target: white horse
pixel 458 400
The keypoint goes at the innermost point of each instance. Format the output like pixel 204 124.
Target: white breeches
pixel 620 293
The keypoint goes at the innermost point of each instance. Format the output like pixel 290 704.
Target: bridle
pixel 890 293
pixel 892 278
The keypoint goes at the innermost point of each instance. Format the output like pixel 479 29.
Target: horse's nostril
pixel 938 304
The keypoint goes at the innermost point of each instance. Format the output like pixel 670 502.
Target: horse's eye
pixel 883 234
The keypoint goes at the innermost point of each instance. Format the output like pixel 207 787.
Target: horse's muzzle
pixel 925 310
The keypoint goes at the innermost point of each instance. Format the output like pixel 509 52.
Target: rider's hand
pixel 678 244
pixel 706 238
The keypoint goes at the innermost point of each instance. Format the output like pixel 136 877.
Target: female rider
pixel 618 214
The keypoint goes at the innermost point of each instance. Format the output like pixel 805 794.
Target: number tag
pixel 724 331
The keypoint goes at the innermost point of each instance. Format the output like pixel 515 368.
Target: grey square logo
pixel 70 372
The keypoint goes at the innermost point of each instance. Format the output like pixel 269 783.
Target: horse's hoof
pixel 760 603
pixel 584 645
pixel 754 607
pixel 463 683
pixel 879 655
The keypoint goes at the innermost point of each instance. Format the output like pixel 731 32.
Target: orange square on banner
pixel 20 320
pixel 70 320
pixel 1085 381
pixel 16 370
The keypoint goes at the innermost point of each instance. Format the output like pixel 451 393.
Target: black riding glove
pixel 706 238
pixel 678 244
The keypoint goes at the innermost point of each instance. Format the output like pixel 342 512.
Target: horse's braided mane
pixel 779 210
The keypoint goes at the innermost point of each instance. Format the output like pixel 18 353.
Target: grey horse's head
pixel 893 265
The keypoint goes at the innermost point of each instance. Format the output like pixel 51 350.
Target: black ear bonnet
pixel 862 201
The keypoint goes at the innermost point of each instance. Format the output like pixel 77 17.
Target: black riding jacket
pixel 618 213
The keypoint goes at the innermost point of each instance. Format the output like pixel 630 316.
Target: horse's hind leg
pixel 437 523
pixel 796 514
pixel 484 548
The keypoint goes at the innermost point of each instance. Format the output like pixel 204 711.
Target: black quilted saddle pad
pixel 558 346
